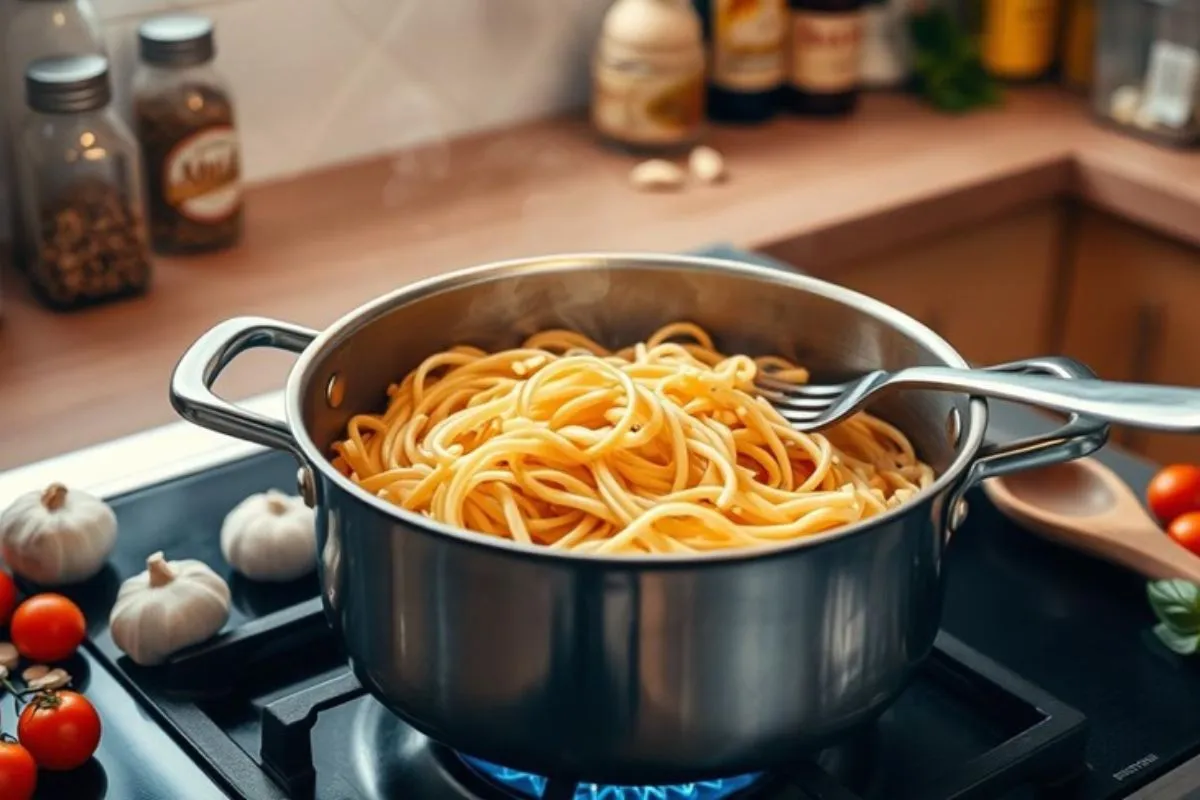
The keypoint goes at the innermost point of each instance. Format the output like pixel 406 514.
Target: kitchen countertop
pixel 317 246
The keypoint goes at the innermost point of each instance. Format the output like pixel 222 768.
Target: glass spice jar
pixel 80 186
pixel 184 116
pixel 29 30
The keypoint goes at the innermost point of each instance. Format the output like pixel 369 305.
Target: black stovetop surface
pixel 1075 630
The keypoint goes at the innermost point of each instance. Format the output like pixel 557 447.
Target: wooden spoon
pixel 1084 505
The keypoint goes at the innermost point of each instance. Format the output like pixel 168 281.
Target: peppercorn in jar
pixel 185 122
pixel 79 182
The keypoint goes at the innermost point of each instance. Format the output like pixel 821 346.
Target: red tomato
pixel 1174 491
pixel 1185 529
pixel 8 599
pixel 60 730
pixel 18 772
pixel 47 627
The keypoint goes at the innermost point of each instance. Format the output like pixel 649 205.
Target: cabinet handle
pixel 1147 335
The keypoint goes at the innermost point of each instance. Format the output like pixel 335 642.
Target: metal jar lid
pixel 176 40
pixel 68 84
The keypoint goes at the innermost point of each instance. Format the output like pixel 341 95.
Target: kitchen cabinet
pixel 1053 277
pixel 1131 315
pixel 988 289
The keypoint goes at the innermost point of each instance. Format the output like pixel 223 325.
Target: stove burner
pixel 527 785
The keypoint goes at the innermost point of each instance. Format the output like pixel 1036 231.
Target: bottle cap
pixel 176 40
pixel 67 85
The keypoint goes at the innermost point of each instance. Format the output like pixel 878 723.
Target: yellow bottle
pixel 1018 37
pixel 1079 44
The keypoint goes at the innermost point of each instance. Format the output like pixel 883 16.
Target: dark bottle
pixel 746 54
pixel 825 53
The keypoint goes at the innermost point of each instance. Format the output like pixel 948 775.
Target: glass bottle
pixel 1079 45
pixel 183 113
pixel 79 187
pixel 746 57
pixel 1018 37
pixel 648 76
pixel 826 56
pixel 885 49
pixel 33 29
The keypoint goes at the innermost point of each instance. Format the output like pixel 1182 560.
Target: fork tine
pixel 802 420
pixel 792 389
pixel 807 407
pixel 796 402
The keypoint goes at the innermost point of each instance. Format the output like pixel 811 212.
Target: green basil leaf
pixel 1176 603
pixel 947 67
pixel 1185 644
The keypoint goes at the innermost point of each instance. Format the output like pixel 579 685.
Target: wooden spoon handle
pixel 1156 557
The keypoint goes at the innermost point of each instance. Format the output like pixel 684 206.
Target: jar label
pixel 202 175
pixel 1171 81
pixel 826 50
pixel 632 105
pixel 747 51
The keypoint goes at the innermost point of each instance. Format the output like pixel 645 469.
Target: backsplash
pixel 320 82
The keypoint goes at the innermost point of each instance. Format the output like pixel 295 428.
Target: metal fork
pixel 811 407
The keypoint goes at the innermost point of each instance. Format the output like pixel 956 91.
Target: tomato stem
pixel 21 696
pixel 46 698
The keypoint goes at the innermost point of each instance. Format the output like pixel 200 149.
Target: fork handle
pixel 1141 405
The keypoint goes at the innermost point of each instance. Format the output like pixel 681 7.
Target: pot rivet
pixel 335 391
pixel 954 428
pixel 959 516
pixel 304 482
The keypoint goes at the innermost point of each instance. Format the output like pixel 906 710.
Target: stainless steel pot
pixel 658 669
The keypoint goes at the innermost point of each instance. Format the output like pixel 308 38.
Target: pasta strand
pixel 661 447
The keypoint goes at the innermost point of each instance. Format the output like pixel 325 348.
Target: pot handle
pixel 1077 437
pixel 191 383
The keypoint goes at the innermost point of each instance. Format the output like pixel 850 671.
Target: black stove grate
pixel 247 703
pixel 1046 745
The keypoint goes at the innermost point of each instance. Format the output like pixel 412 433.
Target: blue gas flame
pixel 532 786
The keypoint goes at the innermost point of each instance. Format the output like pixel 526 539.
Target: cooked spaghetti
pixel 662 447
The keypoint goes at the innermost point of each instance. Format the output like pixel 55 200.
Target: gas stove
pixel 1044 682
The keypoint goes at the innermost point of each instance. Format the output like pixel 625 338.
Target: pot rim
pixel 302 373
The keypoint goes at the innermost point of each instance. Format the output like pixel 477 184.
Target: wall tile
pixel 109 10
pixel 288 60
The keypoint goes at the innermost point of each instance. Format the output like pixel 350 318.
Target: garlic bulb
pixel 171 605
pixel 270 537
pixel 57 536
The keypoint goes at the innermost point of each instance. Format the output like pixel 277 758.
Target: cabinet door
pixel 1131 315
pixel 987 290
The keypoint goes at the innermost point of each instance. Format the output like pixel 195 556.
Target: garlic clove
pixel 707 165
pixel 53 679
pixel 36 672
pixel 57 536
pixel 1124 104
pixel 9 657
pixel 657 175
